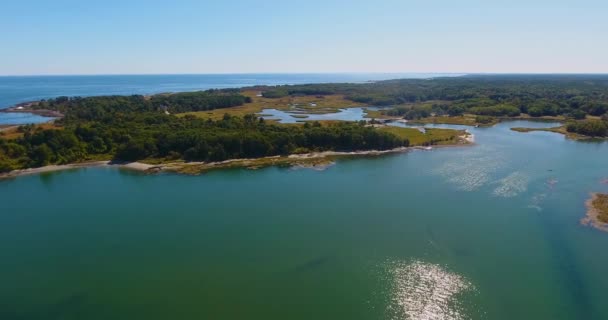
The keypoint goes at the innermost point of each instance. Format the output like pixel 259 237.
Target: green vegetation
pixel 216 125
pixel 592 128
pixel 467 120
pixel 135 128
pixel 577 130
pixel 500 110
pixel 560 97
pixel 428 137
pixel 98 108
pixel 304 104
pixel 484 120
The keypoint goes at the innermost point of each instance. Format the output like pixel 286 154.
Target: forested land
pixel 131 128
pixel 580 99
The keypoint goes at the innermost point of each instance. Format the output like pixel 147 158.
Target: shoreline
pixel 26 107
pixel 591 218
pixel 39 112
pixel 560 130
pixel 314 160
pixel 137 166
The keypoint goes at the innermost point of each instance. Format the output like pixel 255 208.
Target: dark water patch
pixel 70 307
pixel 570 274
pixel 313 264
pixel 10 315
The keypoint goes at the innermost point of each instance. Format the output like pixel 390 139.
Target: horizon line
pixel 299 73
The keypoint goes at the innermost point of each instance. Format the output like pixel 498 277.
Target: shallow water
pixel 22 118
pixel 350 114
pixel 484 232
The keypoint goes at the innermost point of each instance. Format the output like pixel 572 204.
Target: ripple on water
pixel 536 201
pixel 424 291
pixel 472 170
pixel 512 185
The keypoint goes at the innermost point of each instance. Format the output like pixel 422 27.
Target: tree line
pixel 132 128
pixel 498 95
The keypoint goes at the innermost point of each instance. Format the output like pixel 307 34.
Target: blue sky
pixel 243 36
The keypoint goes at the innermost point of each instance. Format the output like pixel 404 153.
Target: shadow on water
pixel 313 264
pixel 571 275
pixel 71 307
pixel 47 178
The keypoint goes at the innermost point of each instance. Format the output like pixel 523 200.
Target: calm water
pixel 16 89
pixel 350 114
pixel 483 232
pixel 22 118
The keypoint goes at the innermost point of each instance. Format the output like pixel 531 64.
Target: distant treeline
pixel 509 95
pixel 90 108
pixel 132 128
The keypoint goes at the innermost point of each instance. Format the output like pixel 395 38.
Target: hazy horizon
pixel 308 73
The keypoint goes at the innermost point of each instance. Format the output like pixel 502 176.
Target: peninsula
pixel 215 126
pixel 125 129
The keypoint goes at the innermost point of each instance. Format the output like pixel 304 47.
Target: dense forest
pixel 574 97
pixel 89 108
pixel 134 128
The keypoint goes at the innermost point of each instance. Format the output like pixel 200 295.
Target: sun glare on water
pixel 424 291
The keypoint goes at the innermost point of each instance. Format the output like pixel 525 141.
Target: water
pixel 350 114
pixel 16 89
pixel 22 118
pixel 484 232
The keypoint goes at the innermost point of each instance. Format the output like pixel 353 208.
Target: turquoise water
pixel 484 232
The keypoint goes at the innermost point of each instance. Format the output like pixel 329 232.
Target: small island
pixel 597 212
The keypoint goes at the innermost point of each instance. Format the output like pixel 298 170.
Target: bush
pixel 592 128
pixel 483 119
pixel 500 110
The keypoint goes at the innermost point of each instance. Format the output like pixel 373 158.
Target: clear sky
pixel 245 36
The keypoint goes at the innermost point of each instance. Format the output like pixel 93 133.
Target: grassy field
pixel 465 120
pixel 430 136
pixel 378 114
pixel 524 116
pixel 561 130
pixel 304 104
pixel 13 131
